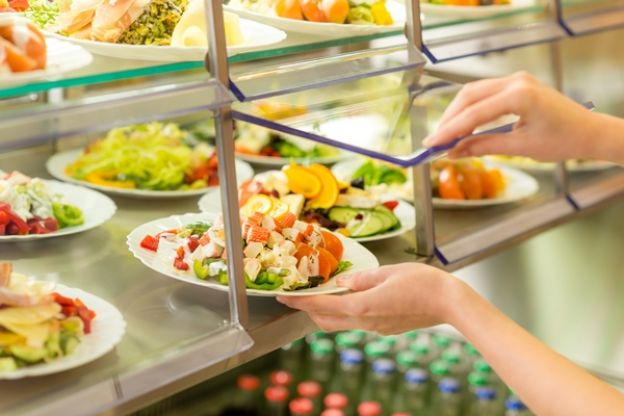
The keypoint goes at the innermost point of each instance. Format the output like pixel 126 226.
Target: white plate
pixel 107 329
pixel 257 36
pixel 519 186
pixel 63 57
pixel 361 258
pixel 211 203
pixel 473 12
pixel 96 208
pixel 276 162
pixel 396 9
pixel 543 168
pixel 57 163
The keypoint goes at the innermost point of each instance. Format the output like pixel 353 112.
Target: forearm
pixel 607 140
pixel 547 382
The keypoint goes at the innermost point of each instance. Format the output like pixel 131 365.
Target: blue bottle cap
pixel 383 366
pixel 485 393
pixel 514 403
pixel 448 385
pixel 416 376
pixel 351 356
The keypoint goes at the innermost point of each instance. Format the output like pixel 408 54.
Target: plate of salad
pixel 466 183
pixel 472 8
pixel 48 328
pixel 325 17
pixel 33 208
pixel 314 195
pixel 282 256
pixel 155 160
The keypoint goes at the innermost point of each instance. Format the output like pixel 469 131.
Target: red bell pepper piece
pixel 391 205
pixel 150 243
pixel 193 243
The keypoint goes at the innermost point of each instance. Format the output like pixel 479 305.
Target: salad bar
pixel 121 282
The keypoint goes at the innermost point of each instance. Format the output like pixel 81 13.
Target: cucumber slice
pixel 371 224
pixel 343 215
pixel 29 354
pixel 394 221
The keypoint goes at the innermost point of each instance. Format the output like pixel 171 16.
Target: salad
pixel 314 195
pixel 154 156
pixel 22 46
pixel 37 324
pixel 279 252
pixel 356 12
pixel 459 180
pixel 467 2
pixel 28 207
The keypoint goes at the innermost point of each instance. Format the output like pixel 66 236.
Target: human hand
pixel 551 127
pixel 388 300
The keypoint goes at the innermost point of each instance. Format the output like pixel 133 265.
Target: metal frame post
pixel 224 130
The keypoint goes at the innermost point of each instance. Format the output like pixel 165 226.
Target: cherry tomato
pixel 448 185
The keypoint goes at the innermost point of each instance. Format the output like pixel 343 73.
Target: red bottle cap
pixel 281 378
pixel 276 394
pixel 400 414
pixel 301 406
pixel 332 412
pixel 309 389
pixel 336 401
pixel 369 409
pixel 248 382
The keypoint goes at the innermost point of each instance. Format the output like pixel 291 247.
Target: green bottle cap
pixel 451 356
pixel 477 379
pixel 315 336
pixel 391 340
pixel 407 359
pixel 470 350
pixel 347 340
pixel 481 366
pixel 412 335
pixel 419 348
pixel 439 368
pixel 360 333
pixel 376 349
pixel 441 341
pixel 322 346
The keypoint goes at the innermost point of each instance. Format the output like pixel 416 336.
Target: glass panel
pixel 586 16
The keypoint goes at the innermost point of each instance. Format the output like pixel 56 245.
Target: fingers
pixel 324 304
pixel 364 280
pixel 331 323
pixel 489 144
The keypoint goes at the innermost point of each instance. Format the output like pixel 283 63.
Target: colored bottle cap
pixel 439 368
pixel 332 412
pixel 451 356
pixel 391 340
pixel 369 409
pixel 448 385
pixel 406 359
pixel 298 343
pixel 301 405
pixel 441 341
pixel 322 346
pixel 351 356
pixel 514 403
pixel 376 349
pixel 336 401
pixel 281 378
pixel 360 333
pixel 401 414
pixel 310 389
pixel 477 379
pixel 470 350
pixel 482 366
pixel 383 366
pixel 412 335
pixel 416 376
pixel 248 382
pixel 315 336
pixel 276 393
pixel 419 348
pixel 485 393
pixel 347 340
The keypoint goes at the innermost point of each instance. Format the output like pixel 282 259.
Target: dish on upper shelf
pixel 32 208
pixel 313 194
pixel 281 258
pixel 153 30
pixel 536 167
pixel 25 55
pixel 466 183
pixel 462 9
pixel 48 328
pixel 145 160
pixel 370 16
pixel 13 6
pixel 262 146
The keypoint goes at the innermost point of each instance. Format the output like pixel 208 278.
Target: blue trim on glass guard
pixel 413 159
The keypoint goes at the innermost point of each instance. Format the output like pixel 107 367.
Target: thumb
pixel 364 280
pixel 489 144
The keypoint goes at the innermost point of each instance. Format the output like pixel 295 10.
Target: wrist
pixel 458 298
pixel 605 140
